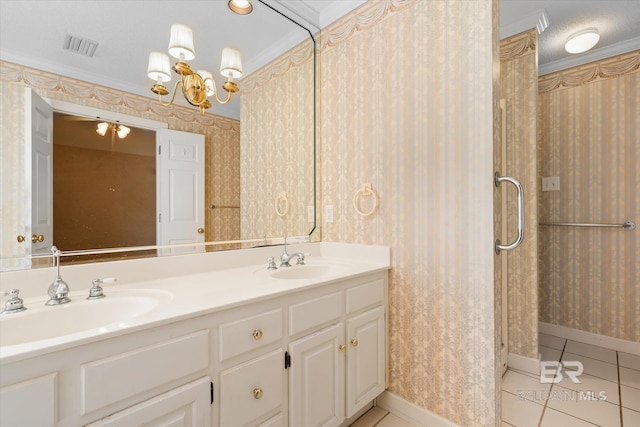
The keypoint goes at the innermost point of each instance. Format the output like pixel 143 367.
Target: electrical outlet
pixel 551 183
pixel 328 213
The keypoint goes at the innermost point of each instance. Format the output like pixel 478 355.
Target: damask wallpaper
pixel 407 105
pixel 519 87
pixel 277 152
pixel 589 127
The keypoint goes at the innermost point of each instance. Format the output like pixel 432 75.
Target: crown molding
pixel 537 19
pixel 591 56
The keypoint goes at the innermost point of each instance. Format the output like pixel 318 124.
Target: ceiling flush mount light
pixel 196 86
pixel 116 128
pixel 582 41
pixel 241 7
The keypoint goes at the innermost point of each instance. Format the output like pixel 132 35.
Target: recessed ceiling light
pixel 582 41
pixel 241 7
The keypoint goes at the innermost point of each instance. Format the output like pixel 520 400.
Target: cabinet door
pixel 316 379
pixel 187 406
pixel 365 359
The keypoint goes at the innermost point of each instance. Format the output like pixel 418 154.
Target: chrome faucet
pixel 14 304
pixel 285 258
pixel 58 290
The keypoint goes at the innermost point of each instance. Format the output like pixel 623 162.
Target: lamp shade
pixel 159 68
pixel 582 41
pixel 102 128
pixel 208 82
pixel 231 64
pixel 181 42
pixel 123 131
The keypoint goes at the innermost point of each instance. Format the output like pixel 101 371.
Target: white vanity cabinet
pixel 155 377
pixel 310 356
pixel 339 369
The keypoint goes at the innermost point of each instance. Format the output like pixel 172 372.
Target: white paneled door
pixel 180 193
pixel 39 172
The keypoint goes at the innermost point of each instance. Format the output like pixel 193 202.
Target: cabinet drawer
pixel 116 378
pixel 366 295
pixel 188 405
pixel 251 390
pixel 250 333
pixel 314 312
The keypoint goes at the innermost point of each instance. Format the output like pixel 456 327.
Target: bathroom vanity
pixel 240 346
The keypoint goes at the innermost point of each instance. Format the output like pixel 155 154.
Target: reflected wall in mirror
pixel 247 168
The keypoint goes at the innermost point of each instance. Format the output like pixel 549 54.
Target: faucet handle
pixel 272 264
pixel 14 304
pixel 96 290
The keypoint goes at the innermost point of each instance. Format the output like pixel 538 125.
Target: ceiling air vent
pixel 79 45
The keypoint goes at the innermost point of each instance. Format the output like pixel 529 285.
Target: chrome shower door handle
pixel 520 196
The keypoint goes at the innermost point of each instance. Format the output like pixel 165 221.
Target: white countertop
pixel 188 295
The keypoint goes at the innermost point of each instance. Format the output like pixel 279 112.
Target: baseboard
pixel 523 363
pixel 590 338
pixel 411 412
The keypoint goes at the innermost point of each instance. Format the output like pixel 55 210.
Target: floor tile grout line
pixel 544 409
pixel 380 420
pixel 598 360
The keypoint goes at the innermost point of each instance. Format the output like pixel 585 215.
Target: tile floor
pixel 608 393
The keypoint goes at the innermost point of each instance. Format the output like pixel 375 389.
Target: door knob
pixel 354 342
pixel 20 238
pixel 200 230
pixel 37 238
pixel 342 348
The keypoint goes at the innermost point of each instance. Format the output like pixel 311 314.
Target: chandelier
pixel 196 86
pixel 116 128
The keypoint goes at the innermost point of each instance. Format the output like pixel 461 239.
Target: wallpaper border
pixel 361 19
pixel 295 57
pixel 614 66
pixel 39 79
pixel 518 45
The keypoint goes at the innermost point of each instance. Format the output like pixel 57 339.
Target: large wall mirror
pixel 256 154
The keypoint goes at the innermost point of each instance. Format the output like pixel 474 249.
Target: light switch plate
pixel 310 214
pixel 328 213
pixel 551 183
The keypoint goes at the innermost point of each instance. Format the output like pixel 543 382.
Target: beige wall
pixel 519 87
pixel 407 105
pixel 589 126
pixel 222 144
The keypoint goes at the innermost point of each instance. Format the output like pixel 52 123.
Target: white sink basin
pixel 313 271
pixel 40 322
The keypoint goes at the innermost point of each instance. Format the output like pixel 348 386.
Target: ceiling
pixel 32 33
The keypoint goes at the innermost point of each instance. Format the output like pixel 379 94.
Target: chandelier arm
pixel 173 97
pixel 221 101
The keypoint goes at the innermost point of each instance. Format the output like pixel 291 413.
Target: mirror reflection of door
pixel 39 168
